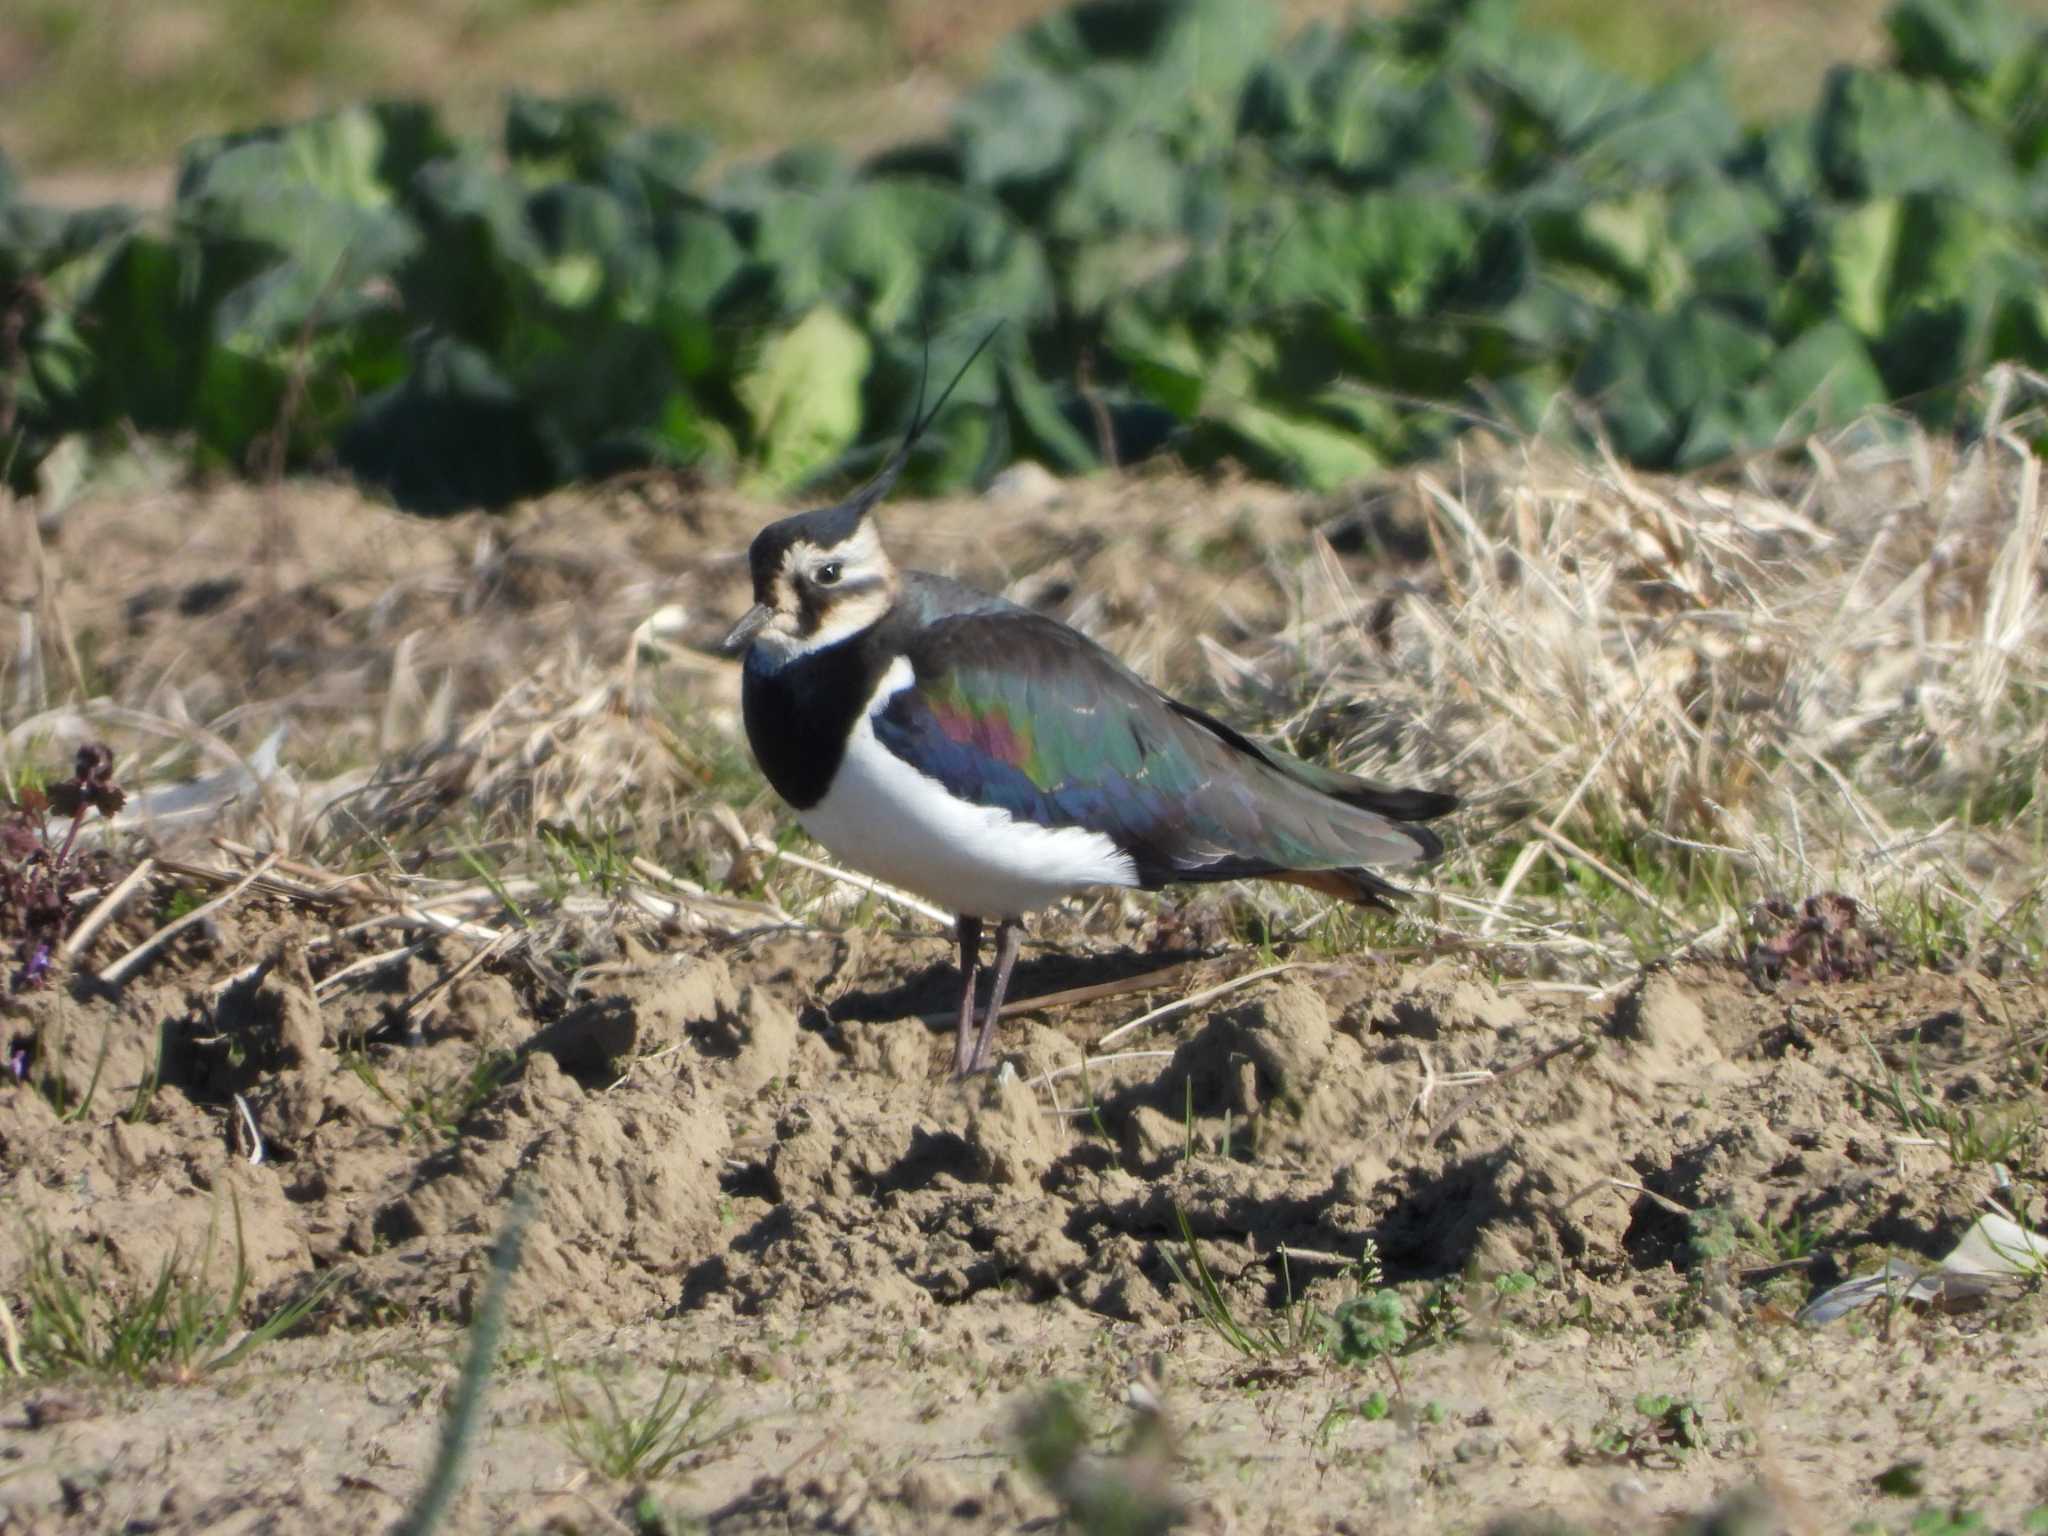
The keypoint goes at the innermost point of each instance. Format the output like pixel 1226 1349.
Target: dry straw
pixel 1828 672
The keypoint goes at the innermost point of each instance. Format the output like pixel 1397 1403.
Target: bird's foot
pixel 1000 1068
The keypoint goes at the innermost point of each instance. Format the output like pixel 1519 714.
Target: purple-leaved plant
pixel 37 878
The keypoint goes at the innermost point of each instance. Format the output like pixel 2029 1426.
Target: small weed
pixel 438 1110
pixel 2002 1134
pixel 54 1086
pixel 1928 930
pixel 180 1329
pixel 1300 1327
pixel 1370 1409
pixel 1665 1430
pixel 145 1090
pixel 1824 939
pixel 183 901
pixel 1373 1325
pixel 1129 1494
pixel 1441 1317
pixel 39 878
pixel 1369 1327
pixel 492 878
pixel 600 861
pixel 627 1444
pixel 1093 1105
pixel 360 1063
pixel 1716 1234
pixel 1787 1241
pixel 1223 1145
pixel 652 1518
pixel 443 1107
pixel 714 759
pixel 1251 928
pixel 1954 1521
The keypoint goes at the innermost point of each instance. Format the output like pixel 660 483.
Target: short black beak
pixel 743 633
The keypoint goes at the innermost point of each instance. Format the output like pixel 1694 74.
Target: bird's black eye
pixel 828 574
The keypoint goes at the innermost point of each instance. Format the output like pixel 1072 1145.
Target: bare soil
pixel 750 1167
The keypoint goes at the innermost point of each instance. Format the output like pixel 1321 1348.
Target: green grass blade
pixel 444 1478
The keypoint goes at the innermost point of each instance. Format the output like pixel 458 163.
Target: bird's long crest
pixel 920 419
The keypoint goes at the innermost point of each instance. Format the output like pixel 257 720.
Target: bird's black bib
pixel 800 714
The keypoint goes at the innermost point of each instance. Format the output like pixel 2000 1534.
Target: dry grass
pixel 1833 678
pixel 1664 699
pixel 1691 694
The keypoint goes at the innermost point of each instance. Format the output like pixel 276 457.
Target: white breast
pixel 885 818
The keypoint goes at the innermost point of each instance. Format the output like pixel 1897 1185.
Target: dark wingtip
pixel 1375 892
pixel 920 419
pixel 1429 847
pixel 1402 804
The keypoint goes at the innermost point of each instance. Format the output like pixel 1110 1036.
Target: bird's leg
pixel 969 931
pixel 1009 939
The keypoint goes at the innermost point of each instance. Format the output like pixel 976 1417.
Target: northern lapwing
pixel 993 760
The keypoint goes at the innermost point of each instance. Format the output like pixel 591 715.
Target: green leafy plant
pixel 1369 1327
pixel 1665 1430
pixel 1310 255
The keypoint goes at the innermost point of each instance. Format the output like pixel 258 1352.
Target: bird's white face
pixel 809 595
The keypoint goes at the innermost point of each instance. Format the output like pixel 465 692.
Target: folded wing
pixel 1012 710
